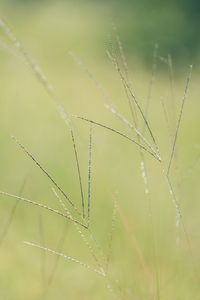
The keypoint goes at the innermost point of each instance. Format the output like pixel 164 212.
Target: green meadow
pixel 139 238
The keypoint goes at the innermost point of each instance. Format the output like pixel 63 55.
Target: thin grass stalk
pixel 125 121
pixel 113 59
pixel 91 76
pixel 143 162
pixel 6 48
pixel 79 230
pixel 189 170
pixel 153 70
pixel 46 173
pixel 166 117
pixel 111 289
pixel 171 80
pixel 180 220
pixel 111 235
pixel 123 58
pixel 60 247
pixel 67 257
pixel 127 76
pixel 194 263
pixel 129 230
pixel 11 215
pixel 36 70
pixel 43 206
pixel 119 133
pixel 43 254
pixel 179 120
pixel 173 108
pixel 89 173
pixel 79 173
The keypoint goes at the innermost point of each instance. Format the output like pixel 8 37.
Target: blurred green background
pixel 147 262
pixel 174 25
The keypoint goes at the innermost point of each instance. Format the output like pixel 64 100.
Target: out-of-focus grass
pixel 27 112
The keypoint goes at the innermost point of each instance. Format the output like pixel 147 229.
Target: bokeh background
pixel 150 257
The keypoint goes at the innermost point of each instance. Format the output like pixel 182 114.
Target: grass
pixel 126 227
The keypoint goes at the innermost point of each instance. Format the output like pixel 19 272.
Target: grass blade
pixel 79 173
pixel 67 257
pixel 119 133
pixel 46 173
pixel 125 121
pixel 79 230
pixel 127 77
pixel 42 206
pixel 89 173
pixel 60 247
pixel 11 216
pixel 179 120
pixel 153 69
pixel 111 235
pixel 92 78
pixel 43 254
pixel 125 83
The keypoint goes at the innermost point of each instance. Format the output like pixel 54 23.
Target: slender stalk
pixel 42 206
pixel 179 120
pixel 111 235
pixel 121 134
pixel 79 173
pixel 91 76
pixel 11 216
pixel 67 257
pixel 125 83
pixel 46 173
pixel 78 229
pixel 125 121
pixel 43 254
pixel 153 70
pixel 89 173
pixel 60 247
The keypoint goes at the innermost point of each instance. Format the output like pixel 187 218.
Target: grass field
pixel 136 246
